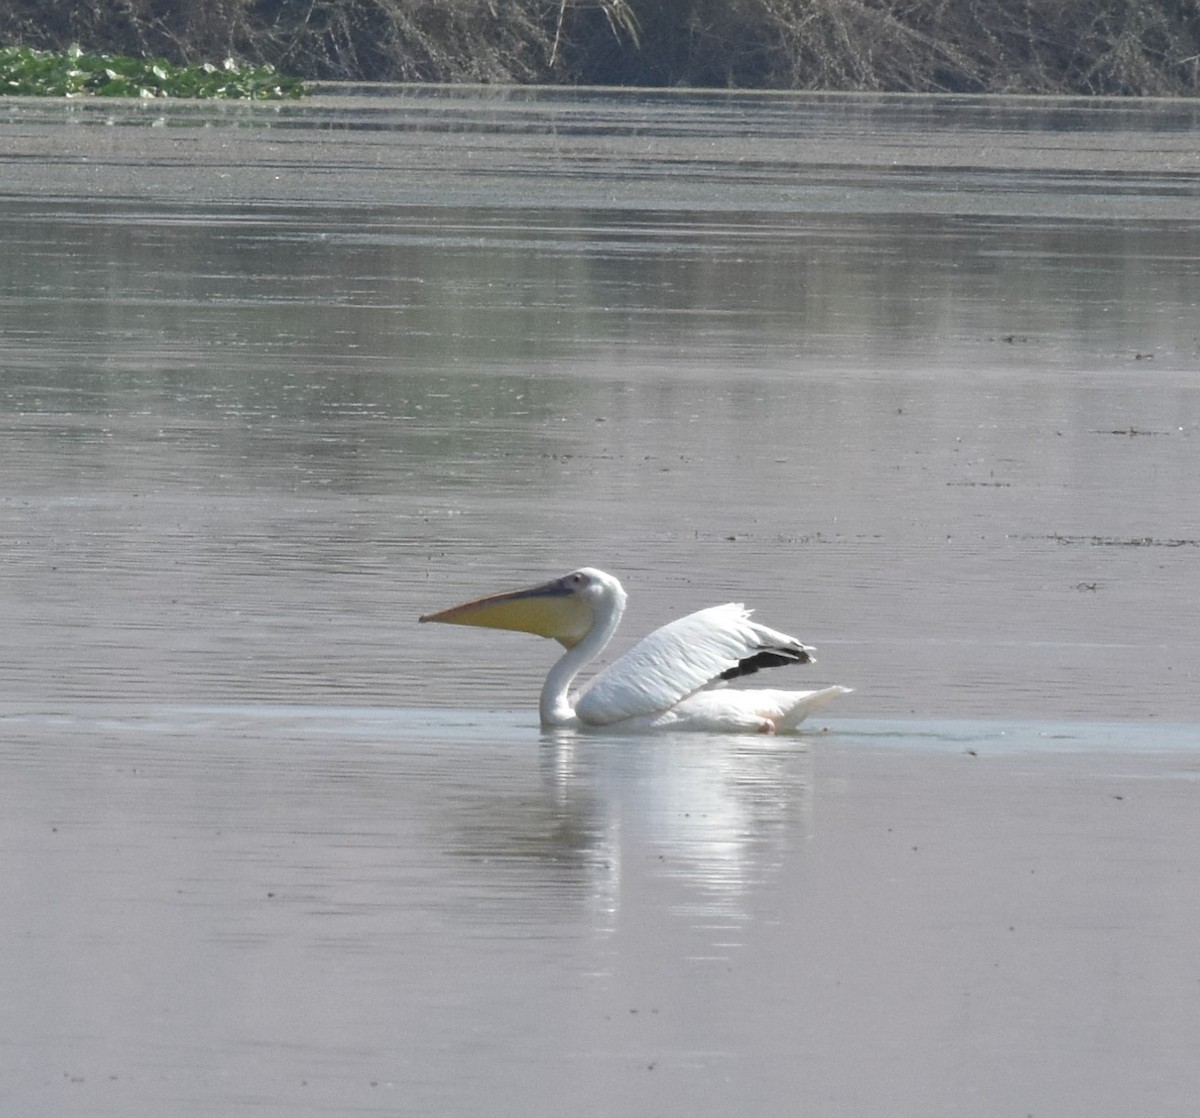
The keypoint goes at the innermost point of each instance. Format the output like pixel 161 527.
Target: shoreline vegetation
pixel 25 72
pixel 1087 47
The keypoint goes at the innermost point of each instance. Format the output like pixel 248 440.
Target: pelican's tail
pixel 795 706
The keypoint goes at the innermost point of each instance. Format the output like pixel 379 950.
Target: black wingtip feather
pixel 768 658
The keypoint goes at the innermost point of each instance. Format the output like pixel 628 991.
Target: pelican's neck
pixel 555 704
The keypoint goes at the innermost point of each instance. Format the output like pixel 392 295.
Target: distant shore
pixel 1098 48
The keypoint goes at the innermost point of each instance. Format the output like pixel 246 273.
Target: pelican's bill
pixel 552 609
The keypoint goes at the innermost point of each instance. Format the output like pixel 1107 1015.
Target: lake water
pixel 919 379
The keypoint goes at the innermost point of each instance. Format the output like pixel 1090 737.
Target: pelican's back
pixel 680 659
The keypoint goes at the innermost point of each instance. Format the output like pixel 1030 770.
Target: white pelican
pixel 674 678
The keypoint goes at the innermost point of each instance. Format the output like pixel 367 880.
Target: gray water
pixel 915 378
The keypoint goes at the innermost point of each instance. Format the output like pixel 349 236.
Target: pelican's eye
pixel 577 580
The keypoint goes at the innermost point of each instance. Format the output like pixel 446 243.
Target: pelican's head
pixel 565 608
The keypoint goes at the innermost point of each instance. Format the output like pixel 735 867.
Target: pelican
pixel 672 679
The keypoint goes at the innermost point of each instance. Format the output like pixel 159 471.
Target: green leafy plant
pixel 75 73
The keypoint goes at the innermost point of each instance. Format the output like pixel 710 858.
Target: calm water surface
pixel 918 379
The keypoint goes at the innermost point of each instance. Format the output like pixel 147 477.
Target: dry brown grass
pixel 1037 46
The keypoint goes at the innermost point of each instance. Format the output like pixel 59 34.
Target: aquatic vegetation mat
pixel 75 73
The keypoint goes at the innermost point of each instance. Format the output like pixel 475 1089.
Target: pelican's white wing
pixel 703 648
